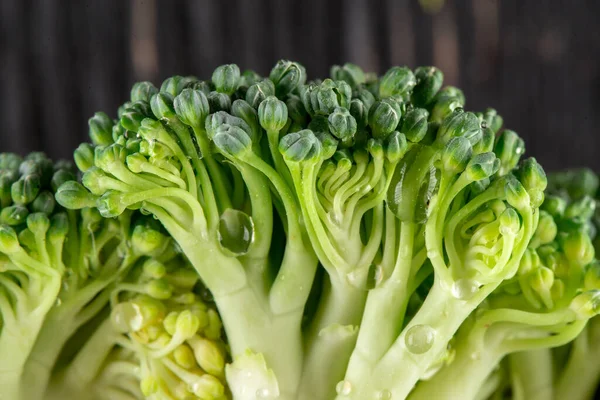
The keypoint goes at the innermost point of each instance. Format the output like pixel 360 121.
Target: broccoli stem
pixel 251 325
pixel 581 376
pixel 18 339
pixel 400 368
pixel 531 374
pixel 464 377
pixel 81 372
pixel 330 338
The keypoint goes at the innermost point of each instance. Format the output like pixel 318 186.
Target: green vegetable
pixel 249 238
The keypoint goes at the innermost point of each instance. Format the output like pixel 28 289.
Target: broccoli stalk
pixel 164 174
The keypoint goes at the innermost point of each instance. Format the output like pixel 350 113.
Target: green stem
pixel 581 376
pixel 331 338
pixel 531 374
pixel 384 311
pixel 218 178
pixel 400 368
pixel 251 326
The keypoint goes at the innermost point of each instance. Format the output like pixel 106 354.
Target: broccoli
pixel 247 237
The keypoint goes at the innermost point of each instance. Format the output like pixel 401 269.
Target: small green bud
pixel 26 189
pixel 532 176
pixel 84 156
pixel 578 248
pixel 328 144
pixel 541 281
pixel 214 121
pixel 384 117
pixel 131 120
pixel 218 102
pixel 492 120
pixel 445 104
pixel 159 289
pixel 546 230
pixel 44 203
pixel 342 125
pixel 142 91
pixel 13 215
pixel 154 269
pixel 554 205
pixel 350 73
pixel 10 161
pixel 147 241
pixel 6 181
pixel 360 113
pixel 428 82
pixel 414 124
pixel 226 78
pixel 38 223
pixel 72 195
pixel 509 222
pixel 249 77
pixel 296 110
pixel 259 91
pixel 456 155
pixel 100 129
pixel 529 262
pixel 300 146
pixel 241 109
pixel 482 166
pixel 110 204
pixel 395 147
pixel 287 76
pixel 586 305
pixel 184 357
pixel 397 81
pixel 460 123
pixel 191 106
pixel 322 99
pixel 208 387
pixel 516 195
pixel 486 143
pixel 213 329
pixel 272 114
pixel 232 140
pixel 61 176
pixel 208 355
pixel 375 148
pixel 319 123
pixel 9 241
pixel 509 148
pixel 162 105
pixel 203 86
pixel 591 280
pixel 583 208
pixel 175 84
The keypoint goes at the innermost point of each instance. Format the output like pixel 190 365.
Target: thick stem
pixel 330 339
pixel 250 325
pixel 531 374
pixel 463 378
pixel 581 376
pixel 404 364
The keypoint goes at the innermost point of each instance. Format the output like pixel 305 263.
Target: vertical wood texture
pixel 537 64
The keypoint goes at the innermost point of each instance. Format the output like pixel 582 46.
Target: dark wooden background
pixel 537 62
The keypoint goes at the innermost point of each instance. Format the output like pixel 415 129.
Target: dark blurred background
pixel 536 62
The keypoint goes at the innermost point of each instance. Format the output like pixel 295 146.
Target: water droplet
pixel 235 232
pixel 343 388
pixel 475 355
pixel 384 395
pixel 464 289
pixel 263 393
pixel 419 338
pixel 375 277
